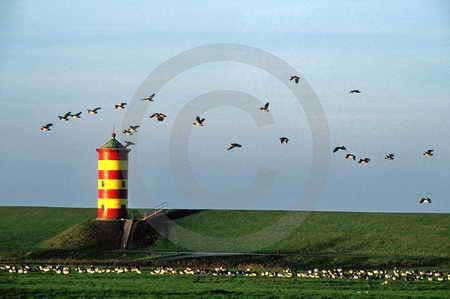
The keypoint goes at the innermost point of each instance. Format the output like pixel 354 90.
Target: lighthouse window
pixel 123 207
pixel 103 207
pixel 123 184
pixel 103 183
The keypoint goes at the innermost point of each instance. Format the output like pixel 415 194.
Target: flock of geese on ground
pixel 386 276
pixel 200 122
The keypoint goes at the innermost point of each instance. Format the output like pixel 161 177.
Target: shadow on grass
pixel 157 227
pixel 178 214
pixel 307 262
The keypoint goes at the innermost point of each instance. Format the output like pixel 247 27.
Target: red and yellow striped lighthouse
pixel 112 180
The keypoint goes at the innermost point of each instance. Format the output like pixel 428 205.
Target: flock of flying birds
pixel 200 122
pixel 389 156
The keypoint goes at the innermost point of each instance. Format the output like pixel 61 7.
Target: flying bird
pixel 428 153
pixel 198 122
pixel 128 143
pixel 159 116
pixel 350 156
pixel 127 132
pixel 233 145
pixel 150 98
pixel 284 140
pixel 364 161
pixel 65 116
pixel 295 78
pixel 425 200
pixel 76 116
pixel 133 129
pixel 389 157
pixel 46 127
pixel 339 148
pixel 355 91
pixel 120 106
pixel 94 111
pixel 265 108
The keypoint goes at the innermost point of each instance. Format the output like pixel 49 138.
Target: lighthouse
pixel 112 180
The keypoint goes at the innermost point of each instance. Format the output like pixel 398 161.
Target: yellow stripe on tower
pixel 111 203
pixel 112 165
pixel 112 184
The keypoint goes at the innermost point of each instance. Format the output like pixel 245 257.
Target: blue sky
pixel 62 56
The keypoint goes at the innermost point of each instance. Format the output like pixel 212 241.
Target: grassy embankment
pixel 323 238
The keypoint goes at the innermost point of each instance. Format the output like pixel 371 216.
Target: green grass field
pixel 322 240
pixel 360 239
pixel 131 284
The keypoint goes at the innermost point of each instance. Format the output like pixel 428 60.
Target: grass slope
pixel 25 228
pixel 321 232
pixel 362 239
pixel 91 234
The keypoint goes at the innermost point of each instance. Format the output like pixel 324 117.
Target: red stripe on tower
pixel 110 154
pixel 111 213
pixel 112 174
pixel 114 193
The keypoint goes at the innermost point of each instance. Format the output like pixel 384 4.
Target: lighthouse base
pixel 92 234
pixel 112 214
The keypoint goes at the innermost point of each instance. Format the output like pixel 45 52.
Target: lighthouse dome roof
pixel 113 143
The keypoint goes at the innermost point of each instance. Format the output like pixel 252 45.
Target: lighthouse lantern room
pixel 112 180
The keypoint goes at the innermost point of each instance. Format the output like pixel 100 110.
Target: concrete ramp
pixel 131 227
pixel 127 227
